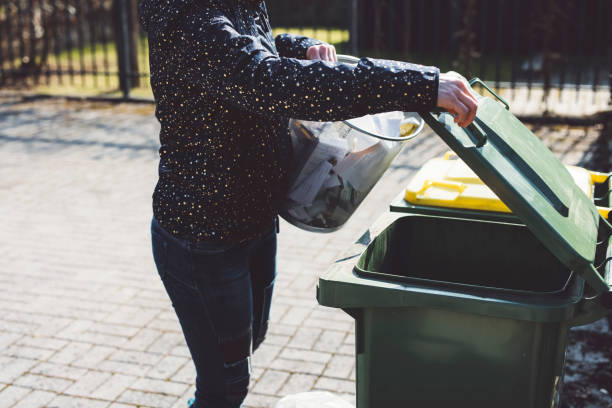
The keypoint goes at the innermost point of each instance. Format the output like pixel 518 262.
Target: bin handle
pixel 414 196
pixel 485 86
pixel 599 178
pixel 591 309
pixel 347 59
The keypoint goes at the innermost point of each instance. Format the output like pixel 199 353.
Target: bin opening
pixel 463 252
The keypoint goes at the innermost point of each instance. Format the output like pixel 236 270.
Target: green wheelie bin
pixel 469 312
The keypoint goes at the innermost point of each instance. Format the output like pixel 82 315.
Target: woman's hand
pixel 455 96
pixel 324 52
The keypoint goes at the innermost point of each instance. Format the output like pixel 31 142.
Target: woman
pixel 224 89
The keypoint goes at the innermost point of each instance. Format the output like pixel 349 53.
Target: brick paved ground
pixel 84 319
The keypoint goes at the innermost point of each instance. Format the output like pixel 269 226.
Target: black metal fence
pixel 553 43
pixel 97 47
pixel 72 46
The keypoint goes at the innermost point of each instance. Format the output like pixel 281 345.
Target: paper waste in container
pixel 313 399
pixel 338 163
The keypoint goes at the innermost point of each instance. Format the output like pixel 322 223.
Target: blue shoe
pixel 191 402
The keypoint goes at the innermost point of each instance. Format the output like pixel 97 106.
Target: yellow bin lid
pixel 448 182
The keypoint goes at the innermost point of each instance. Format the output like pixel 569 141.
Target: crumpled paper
pixel 313 399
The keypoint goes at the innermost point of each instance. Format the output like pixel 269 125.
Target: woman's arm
pixel 241 71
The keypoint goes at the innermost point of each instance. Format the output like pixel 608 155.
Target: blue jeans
pixel 221 294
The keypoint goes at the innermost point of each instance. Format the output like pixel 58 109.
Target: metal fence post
pixel 610 73
pixel 354 26
pixel 123 43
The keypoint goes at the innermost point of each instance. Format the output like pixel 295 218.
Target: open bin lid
pixel 530 180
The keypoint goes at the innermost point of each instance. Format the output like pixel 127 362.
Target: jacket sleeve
pixel 294 46
pixel 240 70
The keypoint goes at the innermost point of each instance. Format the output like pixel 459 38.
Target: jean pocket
pixel 211 248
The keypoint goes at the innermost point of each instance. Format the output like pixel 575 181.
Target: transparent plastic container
pixel 338 163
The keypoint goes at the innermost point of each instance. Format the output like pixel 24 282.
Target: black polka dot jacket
pixel 225 89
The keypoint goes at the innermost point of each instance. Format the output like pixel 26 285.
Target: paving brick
pixel 41 382
pixel 74 329
pixel 52 326
pixel 114 329
pixel 28 352
pixel 147 399
pixel 16 327
pixel 64 401
pixel 277 339
pixel 165 325
pixel 131 316
pixel 58 370
pixel 294 366
pixel 254 400
pixel 283 329
pixel 186 374
pixel 285 301
pixel 124 368
pixel 6 339
pixel 305 338
pixel 339 367
pixel 330 341
pixel 70 353
pixel 12 368
pixel 87 383
pixel 11 394
pixel 298 383
pixel 180 351
pixel 271 382
pixel 36 398
pixel 305 355
pixel 142 339
pixel 166 367
pixel 93 357
pixel 346 349
pixel 336 385
pixel 328 324
pixel 277 312
pixel 159 387
pixel 113 387
pixel 330 314
pixel 296 315
pixel 256 373
pixel 42 342
pixel 134 357
pixel 166 342
pixel 102 339
pixel 265 354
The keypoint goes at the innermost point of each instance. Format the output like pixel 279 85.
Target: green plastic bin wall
pixel 438 326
